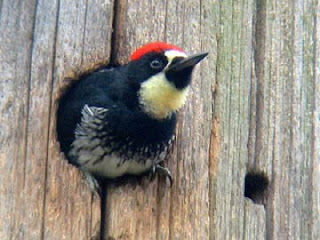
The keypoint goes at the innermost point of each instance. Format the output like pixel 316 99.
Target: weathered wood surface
pixel 41 42
pixel 254 106
pixel 285 127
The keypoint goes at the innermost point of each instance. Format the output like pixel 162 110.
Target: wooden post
pixel 254 107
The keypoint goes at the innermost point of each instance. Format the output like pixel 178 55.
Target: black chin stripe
pixel 180 79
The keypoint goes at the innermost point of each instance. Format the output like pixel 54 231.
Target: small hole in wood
pixel 256 185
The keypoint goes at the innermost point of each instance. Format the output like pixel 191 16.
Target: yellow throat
pixel 160 98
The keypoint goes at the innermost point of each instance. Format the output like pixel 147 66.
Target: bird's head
pixel 161 72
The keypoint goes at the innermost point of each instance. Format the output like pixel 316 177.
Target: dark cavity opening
pixel 256 185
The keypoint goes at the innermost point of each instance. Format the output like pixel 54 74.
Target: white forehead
pixel 171 54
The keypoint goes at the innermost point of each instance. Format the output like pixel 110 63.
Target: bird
pixel 121 121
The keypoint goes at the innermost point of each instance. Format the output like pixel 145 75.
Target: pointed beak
pixel 188 62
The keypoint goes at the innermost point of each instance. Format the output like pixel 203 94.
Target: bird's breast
pixel 112 166
pixel 99 159
pixel 105 147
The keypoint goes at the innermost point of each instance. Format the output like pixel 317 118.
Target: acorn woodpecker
pixel 122 120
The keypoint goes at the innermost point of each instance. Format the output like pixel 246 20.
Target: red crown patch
pixel 153 47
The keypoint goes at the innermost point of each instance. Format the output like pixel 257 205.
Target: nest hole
pixel 256 187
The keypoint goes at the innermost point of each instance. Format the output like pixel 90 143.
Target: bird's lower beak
pixel 188 62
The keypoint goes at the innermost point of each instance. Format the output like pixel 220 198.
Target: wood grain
pixel 287 119
pixel 16 27
pixel 43 197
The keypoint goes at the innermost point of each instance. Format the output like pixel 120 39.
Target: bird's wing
pixel 91 121
pixel 89 134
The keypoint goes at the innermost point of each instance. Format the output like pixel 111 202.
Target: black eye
pixel 156 64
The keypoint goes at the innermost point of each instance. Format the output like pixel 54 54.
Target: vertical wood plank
pixel 254 221
pixel 42 42
pixel 79 47
pixel 315 154
pixel 286 99
pixel 16 27
pixel 231 217
pixel 38 119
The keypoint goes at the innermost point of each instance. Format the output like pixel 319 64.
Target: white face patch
pixel 171 54
pixel 160 98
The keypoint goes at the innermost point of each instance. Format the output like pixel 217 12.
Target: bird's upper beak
pixel 186 63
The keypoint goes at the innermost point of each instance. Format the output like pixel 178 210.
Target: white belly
pixel 109 167
pixel 90 155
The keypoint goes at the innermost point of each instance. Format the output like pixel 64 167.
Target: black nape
pixel 256 185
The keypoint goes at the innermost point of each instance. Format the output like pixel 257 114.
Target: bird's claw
pixel 152 173
pixel 161 170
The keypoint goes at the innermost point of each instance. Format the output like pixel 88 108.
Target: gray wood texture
pixel 41 42
pixel 254 107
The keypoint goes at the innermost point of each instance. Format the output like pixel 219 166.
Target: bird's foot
pixel 92 182
pixel 152 173
pixel 161 170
